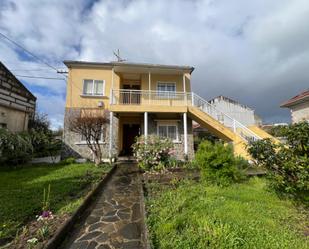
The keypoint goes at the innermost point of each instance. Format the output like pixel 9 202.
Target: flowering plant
pixel 152 151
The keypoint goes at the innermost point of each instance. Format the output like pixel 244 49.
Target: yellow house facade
pixel 144 99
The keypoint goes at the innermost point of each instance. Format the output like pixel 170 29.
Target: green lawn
pixel 21 191
pixel 194 215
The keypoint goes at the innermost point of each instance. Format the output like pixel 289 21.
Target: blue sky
pixel 256 52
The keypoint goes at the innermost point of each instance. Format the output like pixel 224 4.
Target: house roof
pixel 300 98
pixel 230 100
pixel 26 93
pixel 70 63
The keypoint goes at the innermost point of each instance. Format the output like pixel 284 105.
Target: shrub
pixel 153 153
pixel 218 164
pixel 287 167
pixel 14 149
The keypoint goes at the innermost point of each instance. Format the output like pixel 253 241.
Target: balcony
pixel 124 100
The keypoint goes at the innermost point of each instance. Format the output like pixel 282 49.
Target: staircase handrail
pixel 235 122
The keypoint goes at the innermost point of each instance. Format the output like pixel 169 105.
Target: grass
pixel 21 191
pixel 196 215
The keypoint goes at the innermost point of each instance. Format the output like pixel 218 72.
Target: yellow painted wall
pixel 75 87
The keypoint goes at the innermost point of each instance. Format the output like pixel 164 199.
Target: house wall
pixel 74 147
pixel 300 112
pixel 239 112
pixel 14 120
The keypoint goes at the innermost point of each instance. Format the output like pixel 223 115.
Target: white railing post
pixel 192 98
pixel 234 125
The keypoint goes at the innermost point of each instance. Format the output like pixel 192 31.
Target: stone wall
pixel 73 147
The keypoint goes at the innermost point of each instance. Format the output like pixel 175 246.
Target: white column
pixel 145 124
pixel 184 88
pixel 111 115
pixel 112 88
pixel 149 87
pixel 185 135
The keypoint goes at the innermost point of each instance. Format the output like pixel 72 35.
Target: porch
pixel 171 125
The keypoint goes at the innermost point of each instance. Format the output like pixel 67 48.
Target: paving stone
pixel 90 236
pixel 131 231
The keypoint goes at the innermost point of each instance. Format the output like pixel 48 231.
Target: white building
pixel 234 109
pixel 299 106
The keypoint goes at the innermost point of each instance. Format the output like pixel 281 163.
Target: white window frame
pixel 166 94
pixel 92 94
pixel 169 123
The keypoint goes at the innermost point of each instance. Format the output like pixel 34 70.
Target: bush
pixel 14 149
pixel 153 154
pixel 287 165
pixel 218 164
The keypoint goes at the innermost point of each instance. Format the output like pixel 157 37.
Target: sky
pixel 255 52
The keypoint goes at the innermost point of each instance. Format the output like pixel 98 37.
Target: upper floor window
pixel 166 89
pixel 93 87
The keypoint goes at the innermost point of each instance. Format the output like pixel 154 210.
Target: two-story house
pixel 144 99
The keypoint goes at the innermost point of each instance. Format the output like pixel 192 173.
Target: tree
pixel 89 123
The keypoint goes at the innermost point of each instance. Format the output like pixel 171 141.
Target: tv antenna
pixel 117 54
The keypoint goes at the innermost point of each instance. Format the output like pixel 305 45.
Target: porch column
pixel 146 124
pixel 112 88
pixel 149 87
pixel 111 115
pixel 185 135
pixel 184 88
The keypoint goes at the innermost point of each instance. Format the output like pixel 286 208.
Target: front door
pixel 130 131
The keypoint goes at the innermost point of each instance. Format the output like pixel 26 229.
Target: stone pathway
pixel 115 220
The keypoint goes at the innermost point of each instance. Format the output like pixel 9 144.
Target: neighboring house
pixel 142 99
pixel 17 103
pixel 234 109
pixel 299 106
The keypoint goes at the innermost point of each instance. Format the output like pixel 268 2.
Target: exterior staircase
pixel 224 126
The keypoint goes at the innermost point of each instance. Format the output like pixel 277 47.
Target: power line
pixel 27 51
pixel 38 77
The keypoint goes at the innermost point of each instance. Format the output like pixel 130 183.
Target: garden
pixel 36 199
pixel 223 207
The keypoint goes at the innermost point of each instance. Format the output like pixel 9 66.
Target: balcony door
pixel 131 96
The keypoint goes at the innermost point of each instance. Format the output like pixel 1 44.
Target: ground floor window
pixel 100 135
pixel 168 131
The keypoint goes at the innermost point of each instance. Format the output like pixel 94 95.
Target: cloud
pixel 252 51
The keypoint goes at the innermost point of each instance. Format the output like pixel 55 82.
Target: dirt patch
pixel 40 232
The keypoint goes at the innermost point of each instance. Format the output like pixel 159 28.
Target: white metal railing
pixel 223 118
pixel 141 97
pixel 165 98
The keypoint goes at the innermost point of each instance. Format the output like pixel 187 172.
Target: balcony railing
pixel 139 97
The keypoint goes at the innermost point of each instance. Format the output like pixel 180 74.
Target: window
pixel 166 90
pixel 168 131
pixel 3 125
pixel 83 138
pixel 93 87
